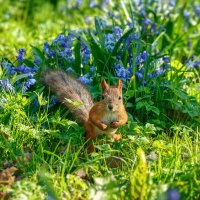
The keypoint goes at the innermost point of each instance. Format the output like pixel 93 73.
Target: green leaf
pixel 77 61
pixel 39 55
pixel 139 177
pixel 19 77
pixel 74 103
pixel 99 31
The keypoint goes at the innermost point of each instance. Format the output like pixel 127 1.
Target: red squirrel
pixel 103 117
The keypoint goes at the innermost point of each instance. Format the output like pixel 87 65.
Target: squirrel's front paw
pixel 103 126
pixel 114 124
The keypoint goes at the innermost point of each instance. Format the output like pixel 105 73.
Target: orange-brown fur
pixel 103 117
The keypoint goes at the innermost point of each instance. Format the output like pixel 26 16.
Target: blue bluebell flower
pixel 104 3
pixel 197 10
pixel 66 53
pixel 92 69
pixel 21 55
pixel 193 64
pixel 85 52
pixel 85 79
pixel 92 3
pixel 109 41
pixel 172 3
pixel 186 14
pixel 147 21
pixel 143 11
pixel 24 69
pixel 78 3
pixel 53 100
pixel 132 36
pixel 49 52
pixel 173 194
pixel 8 67
pixel 166 59
pixel 159 71
pixel 149 75
pixel 118 33
pixel 36 61
pixel 121 72
pixel 63 41
pixel 58 39
pixel 5 83
pixel 27 84
pixel 139 75
pixel 196 63
pixel 141 58
pixel 154 29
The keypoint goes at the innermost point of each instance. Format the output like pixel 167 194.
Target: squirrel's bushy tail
pixel 70 90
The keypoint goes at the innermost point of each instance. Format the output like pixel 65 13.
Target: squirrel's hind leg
pixel 90 136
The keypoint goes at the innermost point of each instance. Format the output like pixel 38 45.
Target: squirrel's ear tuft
pixel 119 84
pixel 104 85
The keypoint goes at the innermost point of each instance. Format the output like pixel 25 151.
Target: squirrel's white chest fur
pixel 109 117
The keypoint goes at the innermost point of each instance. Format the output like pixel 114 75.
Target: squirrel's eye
pixel 102 97
pixel 119 98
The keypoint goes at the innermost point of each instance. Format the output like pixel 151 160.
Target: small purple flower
pixel 46 48
pixel 36 61
pixel 8 67
pixel 159 71
pixel 141 58
pixel 85 79
pixel 131 37
pixel 6 84
pixel 166 59
pixel 53 100
pixel 149 75
pixel 21 55
pixel 92 3
pixel 172 3
pixel 24 69
pixel 146 22
pixel 197 10
pixel 173 194
pixel 154 29
pixel 186 14
pixel 118 33
pixel 66 53
pixel 27 84
pixel 78 3
pixel 63 41
pixel 85 51
pixel 193 63
pixel 143 11
pixel 104 3
pixel 109 41
pixel 92 69
pixel 123 73
pixel 139 75
pixel 49 52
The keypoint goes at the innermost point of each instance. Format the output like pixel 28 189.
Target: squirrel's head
pixel 112 96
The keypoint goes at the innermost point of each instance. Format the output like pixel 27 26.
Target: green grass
pixel 51 160
pixel 160 147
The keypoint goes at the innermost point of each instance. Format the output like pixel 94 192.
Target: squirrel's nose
pixel 110 107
